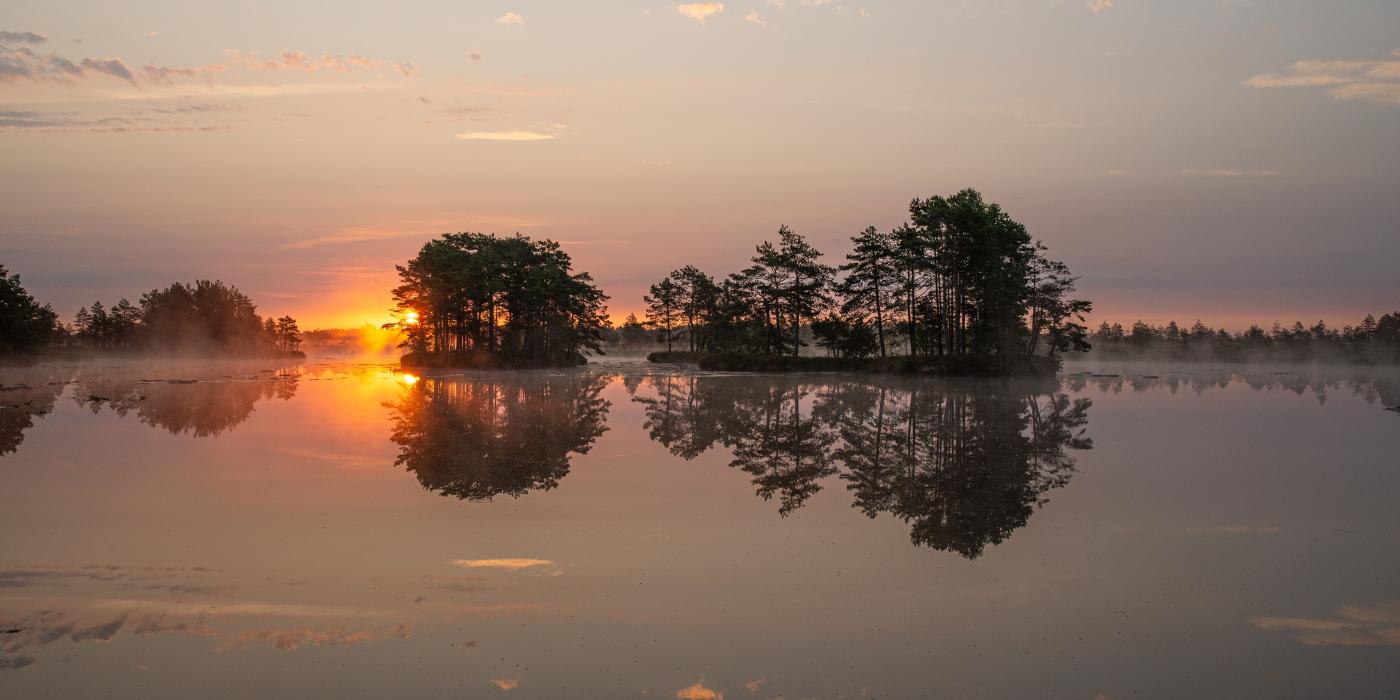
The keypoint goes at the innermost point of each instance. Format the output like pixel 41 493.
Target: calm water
pixel 632 531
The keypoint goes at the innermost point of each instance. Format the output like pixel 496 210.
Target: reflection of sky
pixel 1209 529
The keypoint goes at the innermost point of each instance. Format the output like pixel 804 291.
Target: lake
pixel 174 530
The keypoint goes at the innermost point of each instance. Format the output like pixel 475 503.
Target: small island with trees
pixel 960 289
pixel 479 300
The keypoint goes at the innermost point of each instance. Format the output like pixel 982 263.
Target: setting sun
pixel 411 318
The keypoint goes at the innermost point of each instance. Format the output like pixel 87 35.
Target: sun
pixel 411 318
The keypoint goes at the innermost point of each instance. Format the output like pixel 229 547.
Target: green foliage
pixel 511 301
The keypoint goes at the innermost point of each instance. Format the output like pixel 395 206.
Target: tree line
pixel 482 299
pixel 200 317
pixel 961 277
pixel 1371 340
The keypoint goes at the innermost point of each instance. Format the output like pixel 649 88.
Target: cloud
pixel 295 60
pixel 1225 172
pixel 506 683
pixel 510 18
pixel 507 135
pixel 755 686
pixel 700 11
pixel 110 66
pixel 1100 5
pixel 1353 625
pixel 7 38
pixel 508 564
pixel 351 235
pixel 1368 81
pixel 698 691
pixel 754 18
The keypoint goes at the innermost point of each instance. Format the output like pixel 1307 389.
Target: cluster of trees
pixel 26 326
pixel 960 278
pixel 1371 340
pixel 470 298
pixel 964 466
pixel 204 316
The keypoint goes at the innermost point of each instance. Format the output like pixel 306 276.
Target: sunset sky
pixel 1232 160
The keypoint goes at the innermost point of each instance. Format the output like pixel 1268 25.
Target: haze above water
pixel 629 530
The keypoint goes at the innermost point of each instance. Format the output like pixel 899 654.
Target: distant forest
pixel 203 317
pixel 961 278
pixel 1370 341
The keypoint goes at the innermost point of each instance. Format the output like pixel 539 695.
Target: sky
pixel 1235 161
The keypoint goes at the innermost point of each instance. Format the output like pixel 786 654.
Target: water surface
pixel 627 530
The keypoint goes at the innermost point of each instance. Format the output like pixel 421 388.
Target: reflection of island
pixel 1381 387
pixel 509 434
pixel 964 464
pixel 204 408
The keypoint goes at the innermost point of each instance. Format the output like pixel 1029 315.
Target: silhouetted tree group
pixel 26 326
pixel 960 278
pixel 471 298
pixel 1371 340
pixel 964 465
pixel 201 317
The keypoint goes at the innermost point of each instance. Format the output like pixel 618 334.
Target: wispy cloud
pixel 506 683
pixel 1352 625
pixel 511 19
pixel 700 11
pixel 1225 172
pixel 1370 81
pixel 1100 5
pixel 7 38
pixel 354 235
pixel 754 18
pixel 507 564
pixel 509 135
pixel 295 60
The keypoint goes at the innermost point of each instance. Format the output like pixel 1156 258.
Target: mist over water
pixel 630 530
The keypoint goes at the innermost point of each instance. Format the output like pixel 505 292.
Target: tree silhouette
pixel 26 326
pixel 470 298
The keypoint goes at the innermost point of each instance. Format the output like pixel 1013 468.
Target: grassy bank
pixel 946 365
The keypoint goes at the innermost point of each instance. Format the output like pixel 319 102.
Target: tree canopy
pixel 472 298
pixel 960 278
pixel 25 325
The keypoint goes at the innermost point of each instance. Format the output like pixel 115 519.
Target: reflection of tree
pixel 965 464
pixel 22 401
pixel 1371 386
pixel 477 438
pixel 203 408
